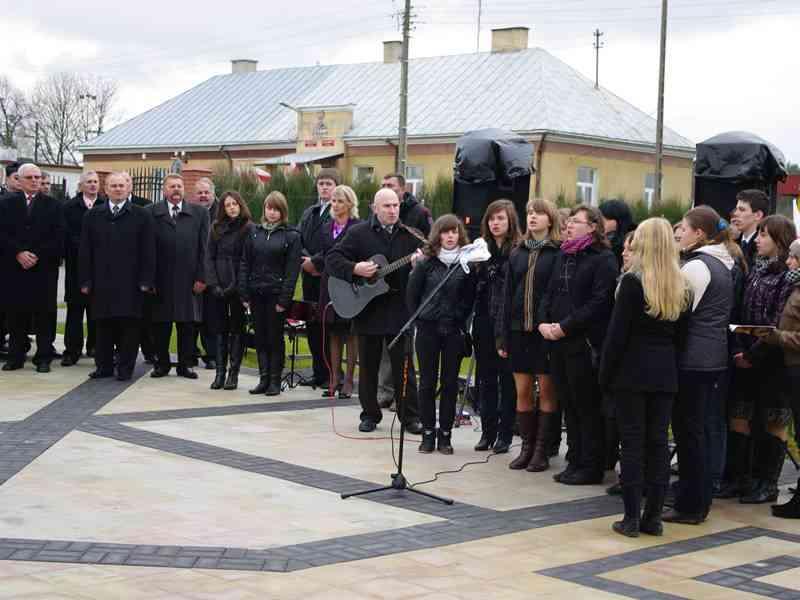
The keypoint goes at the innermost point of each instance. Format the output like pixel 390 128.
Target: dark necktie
pixel 174 212
pixel 115 210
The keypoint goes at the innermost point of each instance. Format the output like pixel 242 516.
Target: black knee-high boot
pixel 790 510
pixel 741 456
pixel 773 454
pixel 263 372
pixel 236 354
pixel 222 361
pixel 630 524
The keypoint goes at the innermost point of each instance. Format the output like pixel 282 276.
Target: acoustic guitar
pixel 350 298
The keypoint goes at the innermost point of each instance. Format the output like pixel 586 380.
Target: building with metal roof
pixel 590 143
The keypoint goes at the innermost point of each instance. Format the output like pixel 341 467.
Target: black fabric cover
pixel 738 156
pixel 487 155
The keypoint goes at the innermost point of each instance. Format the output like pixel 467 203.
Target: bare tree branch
pixel 14 111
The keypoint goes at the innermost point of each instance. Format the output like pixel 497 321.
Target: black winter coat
pixel 310 225
pixel 74 211
pixel 139 200
pixel 40 232
pixel 224 255
pixel 180 261
pixel 640 353
pixel 386 314
pixel 490 277
pixel 270 264
pixel 580 294
pixel 513 296
pixel 117 259
pixel 451 306
pixel 413 214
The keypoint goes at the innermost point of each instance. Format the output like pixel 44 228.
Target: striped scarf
pixel 529 309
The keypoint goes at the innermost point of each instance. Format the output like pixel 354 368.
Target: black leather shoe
pixel 13 366
pixel 629 527
pixel 367 425
pixel 443 444
pixel 652 527
pixel 582 477
pixel 67 360
pixel 43 367
pixel 159 372
pixel 485 443
pixel 501 446
pixel 428 443
pixel 568 471
pixel 673 516
pixel 98 374
pixel 186 372
pixel 414 427
pixel 124 376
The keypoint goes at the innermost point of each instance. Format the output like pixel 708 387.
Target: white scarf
pixel 449 257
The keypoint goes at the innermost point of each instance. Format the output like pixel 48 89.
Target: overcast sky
pixel 731 64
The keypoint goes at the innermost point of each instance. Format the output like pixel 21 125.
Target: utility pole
pixel 660 122
pixel 597 45
pixel 478 34
pixel 402 147
pixel 36 144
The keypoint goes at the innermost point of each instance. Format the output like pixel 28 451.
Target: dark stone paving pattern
pixel 23 441
pixel 590 573
pixel 219 411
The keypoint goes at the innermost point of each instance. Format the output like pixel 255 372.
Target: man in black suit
pixel 31 248
pixel 204 196
pixel 117 268
pixel 383 318
pixel 181 231
pixel 314 217
pixel 11 187
pixel 752 207
pixel 78 303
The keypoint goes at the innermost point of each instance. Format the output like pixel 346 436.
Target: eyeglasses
pixel 572 221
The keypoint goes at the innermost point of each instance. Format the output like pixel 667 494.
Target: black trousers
pixel 497 392
pixel 579 394
pixel 370 348
pixel 162 331
pixel 121 333
pixel 73 329
pixel 643 421
pixel 696 392
pixel 225 314
pixel 269 331
pixel 19 324
pixel 435 347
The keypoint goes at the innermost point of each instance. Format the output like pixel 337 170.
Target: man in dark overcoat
pixel 78 303
pixel 116 270
pixel 310 226
pixel 384 317
pixel 31 248
pixel 181 232
pixel 204 196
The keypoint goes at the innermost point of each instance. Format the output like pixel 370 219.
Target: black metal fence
pixel 148 182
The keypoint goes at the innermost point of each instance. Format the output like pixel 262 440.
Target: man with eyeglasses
pixel 31 247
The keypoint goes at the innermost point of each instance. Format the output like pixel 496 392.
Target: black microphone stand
pixel 399 481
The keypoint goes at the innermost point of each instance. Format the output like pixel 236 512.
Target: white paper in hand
pixel 477 251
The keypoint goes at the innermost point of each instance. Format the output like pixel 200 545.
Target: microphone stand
pixel 399 481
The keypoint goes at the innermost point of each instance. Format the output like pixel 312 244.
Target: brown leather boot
pixel 527 422
pixel 540 461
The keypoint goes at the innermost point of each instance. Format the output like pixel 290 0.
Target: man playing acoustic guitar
pixel 383 318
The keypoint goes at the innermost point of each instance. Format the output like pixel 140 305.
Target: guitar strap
pixel 413 232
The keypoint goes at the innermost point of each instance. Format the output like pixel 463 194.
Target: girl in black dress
pixel 528 273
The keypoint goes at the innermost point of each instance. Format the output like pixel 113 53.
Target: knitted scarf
pixel 529 313
pixel 270 227
pixel 448 257
pixel 575 245
pixel 793 276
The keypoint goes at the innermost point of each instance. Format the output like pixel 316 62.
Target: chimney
pixel 392 51
pixel 243 65
pixel 510 39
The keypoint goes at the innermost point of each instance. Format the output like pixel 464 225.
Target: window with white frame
pixel 649 189
pixel 361 173
pixel 414 179
pixel 586 192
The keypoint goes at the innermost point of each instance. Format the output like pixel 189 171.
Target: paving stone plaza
pixel 165 489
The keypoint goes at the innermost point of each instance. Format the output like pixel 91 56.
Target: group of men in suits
pixel 132 267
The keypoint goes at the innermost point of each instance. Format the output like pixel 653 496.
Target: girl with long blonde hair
pixel 638 369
